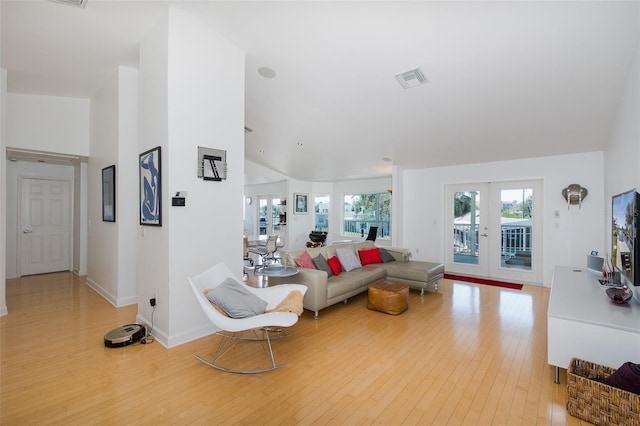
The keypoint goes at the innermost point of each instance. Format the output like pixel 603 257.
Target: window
pixel 364 210
pixel 321 209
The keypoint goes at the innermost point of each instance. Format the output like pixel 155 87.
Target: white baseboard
pixel 173 341
pixel 118 303
pixel 3 311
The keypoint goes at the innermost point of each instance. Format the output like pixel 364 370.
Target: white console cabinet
pixel 582 322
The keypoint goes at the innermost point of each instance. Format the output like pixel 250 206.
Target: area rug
pixel 485 281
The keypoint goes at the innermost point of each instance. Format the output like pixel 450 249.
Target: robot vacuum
pixel 124 336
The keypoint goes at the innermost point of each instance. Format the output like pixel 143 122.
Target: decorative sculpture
pixel 574 194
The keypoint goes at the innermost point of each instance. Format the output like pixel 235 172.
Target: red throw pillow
pixel 370 256
pixel 335 265
pixel 305 261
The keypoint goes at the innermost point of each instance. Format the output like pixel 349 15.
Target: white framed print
pixel 301 203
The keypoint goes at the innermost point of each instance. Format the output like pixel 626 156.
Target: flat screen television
pixel 625 253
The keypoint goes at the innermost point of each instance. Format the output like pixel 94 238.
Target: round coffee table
pixel 275 271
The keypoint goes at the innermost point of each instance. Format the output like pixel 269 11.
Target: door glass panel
pixel 466 211
pixel 275 214
pixel 263 216
pixel 321 208
pixel 516 223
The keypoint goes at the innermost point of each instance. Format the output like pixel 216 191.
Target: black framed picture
pixel 301 204
pixel 151 187
pixel 109 194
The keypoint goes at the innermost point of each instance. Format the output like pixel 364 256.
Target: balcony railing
pixel 354 227
pixel 514 239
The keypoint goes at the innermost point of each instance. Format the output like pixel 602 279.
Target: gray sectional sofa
pixel 324 291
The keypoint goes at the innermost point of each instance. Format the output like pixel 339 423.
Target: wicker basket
pixel 596 402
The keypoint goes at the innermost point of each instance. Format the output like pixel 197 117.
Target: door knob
pixel 27 231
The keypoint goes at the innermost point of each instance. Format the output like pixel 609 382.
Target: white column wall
pixel 103 236
pixel 153 241
pixel 127 212
pixel 112 260
pixel 191 94
pixel 80 220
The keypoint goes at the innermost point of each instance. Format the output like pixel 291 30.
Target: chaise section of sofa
pixel 416 274
pixel 324 291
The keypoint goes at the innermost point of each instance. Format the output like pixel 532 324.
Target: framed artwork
pixel 301 205
pixel 212 164
pixel 109 194
pixel 151 188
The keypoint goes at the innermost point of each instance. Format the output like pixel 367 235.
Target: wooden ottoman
pixel 388 297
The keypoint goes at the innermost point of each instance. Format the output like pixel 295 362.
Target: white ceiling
pixel 506 79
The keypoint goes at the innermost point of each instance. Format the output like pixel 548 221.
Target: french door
pixel 494 230
pixel 272 216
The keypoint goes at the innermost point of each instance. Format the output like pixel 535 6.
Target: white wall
pixel 622 156
pixel 102 268
pixel 112 259
pixel 14 171
pixel 48 123
pixel 127 211
pixel 153 241
pixel 299 225
pixel 196 87
pixel 80 220
pixel 3 191
pixel 578 231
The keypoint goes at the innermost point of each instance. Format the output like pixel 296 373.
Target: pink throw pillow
pixel 305 261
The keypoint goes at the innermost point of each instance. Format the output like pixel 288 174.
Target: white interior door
pixel 494 230
pixel 45 226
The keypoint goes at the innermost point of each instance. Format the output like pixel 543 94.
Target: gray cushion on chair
pixel 235 300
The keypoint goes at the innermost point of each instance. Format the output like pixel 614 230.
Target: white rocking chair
pixel 232 329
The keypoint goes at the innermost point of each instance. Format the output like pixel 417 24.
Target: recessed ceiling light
pixel 261 151
pixel 266 72
pixel 387 159
pixel 299 143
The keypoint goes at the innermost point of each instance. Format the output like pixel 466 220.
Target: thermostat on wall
pixel 180 199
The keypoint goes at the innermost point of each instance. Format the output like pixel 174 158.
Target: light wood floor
pixel 466 355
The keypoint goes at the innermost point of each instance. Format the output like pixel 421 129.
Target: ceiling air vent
pixel 247 130
pixel 77 3
pixel 411 78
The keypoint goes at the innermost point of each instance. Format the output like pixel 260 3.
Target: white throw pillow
pixel 348 259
